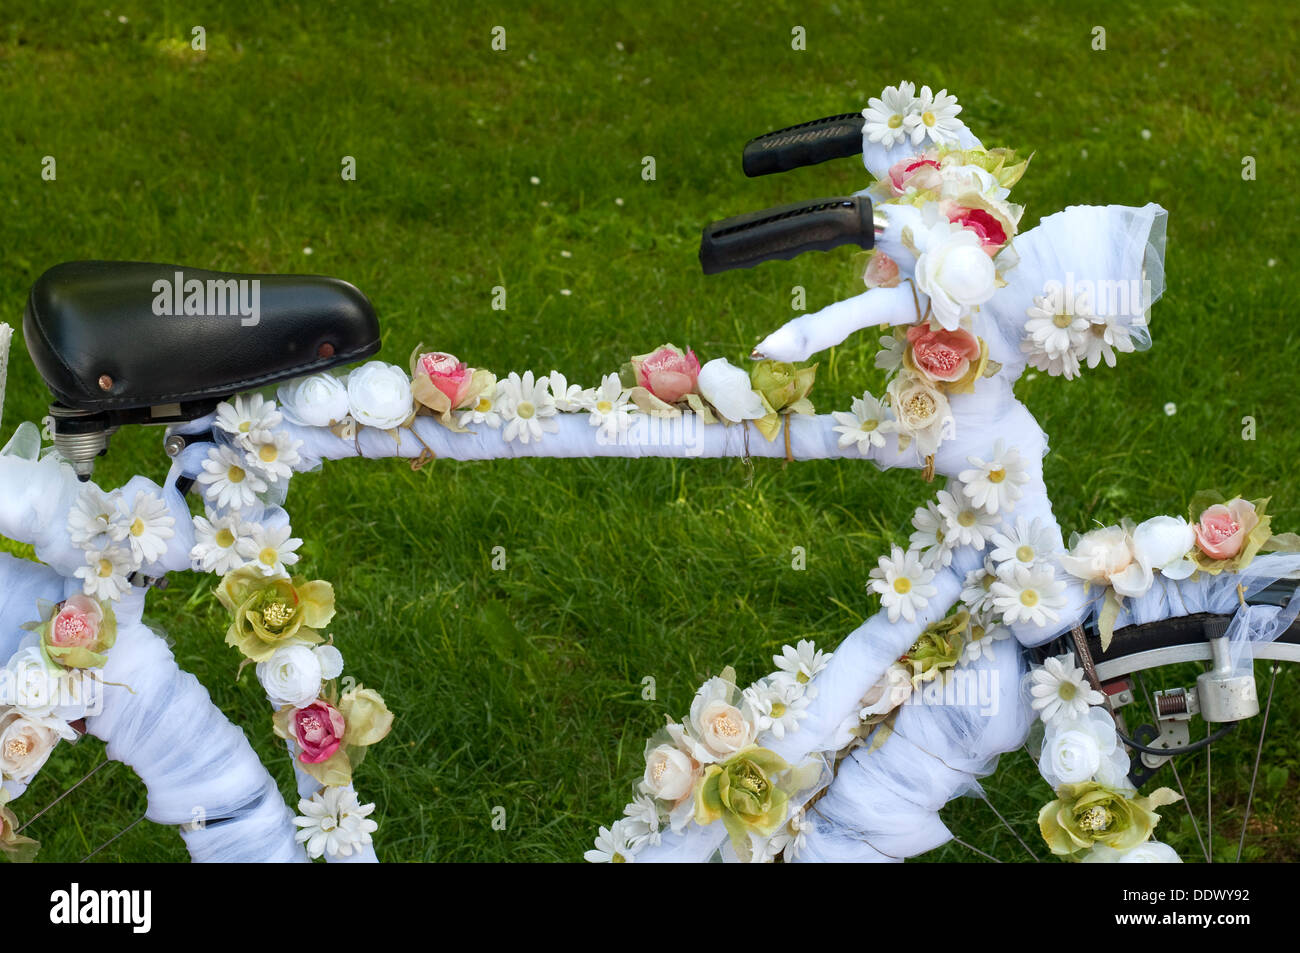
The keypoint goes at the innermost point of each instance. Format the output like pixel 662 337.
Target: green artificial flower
pixel 938 648
pixel 746 794
pixel 784 389
pixel 1091 813
pixel 273 612
pixel 16 847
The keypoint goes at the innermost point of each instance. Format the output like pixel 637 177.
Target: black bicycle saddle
pixel 117 336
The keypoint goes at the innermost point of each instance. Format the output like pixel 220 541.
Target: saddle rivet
pixel 325 350
pixel 105 382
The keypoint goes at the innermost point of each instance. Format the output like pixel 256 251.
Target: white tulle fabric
pixel 198 768
pixel 882 805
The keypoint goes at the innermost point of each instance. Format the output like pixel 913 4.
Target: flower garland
pixel 48 685
pixel 276 619
pixel 666 382
pixel 1097 816
pixel 712 766
pixel 1218 535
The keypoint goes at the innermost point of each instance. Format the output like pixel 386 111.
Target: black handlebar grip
pixel 786 231
pixel 834 137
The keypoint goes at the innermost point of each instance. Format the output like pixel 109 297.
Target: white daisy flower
pixel 332 822
pixel 105 572
pixel 965 524
pixel 1060 689
pixel 275 456
pixel 778 705
pixel 902 583
pixel 249 419
pixel 800 663
pixel 789 840
pixel 527 408
pixel 995 484
pixel 976 591
pixel 145 525
pixel 985 630
pixel 1029 595
pixel 568 397
pixel 934 115
pixel 931 536
pixel 216 540
pixel 890 355
pixel 1106 335
pixel 1053 328
pixel 615 844
pixel 866 426
pixel 226 480
pixel 608 407
pixel 486 412
pixel 1024 545
pixel 642 820
pixel 93 516
pixel 886 115
pixel 1062 365
pixel 271 550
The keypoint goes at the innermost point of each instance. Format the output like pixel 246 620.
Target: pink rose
pixel 668 373
pixel 882 271
pixel 1223 528
pixel 990 231
pixel 449 375
pixel 318 729
pixel 920 173
pixel 942 355
pixel 77 623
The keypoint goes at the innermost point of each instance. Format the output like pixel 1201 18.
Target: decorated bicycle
pixel 989 624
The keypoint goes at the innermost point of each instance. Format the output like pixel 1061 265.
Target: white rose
pixel 29 683
pixel 669 773
pixel 887 694
pixel 723 728
pixel 718 729
pixel 1084 749
pixel 379 395
pixel 331 661
pixel 1150 852
pixel 1163 543
pixel 25 744
pixel 1106 556
pixel 729 390
pixel 45 692
pixel 961 179
pixel 291 676
pixel 1072 757
pixel 955 272
pixel 316 401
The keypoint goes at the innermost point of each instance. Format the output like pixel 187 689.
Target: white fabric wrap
pixel 882 805
pixel 196 765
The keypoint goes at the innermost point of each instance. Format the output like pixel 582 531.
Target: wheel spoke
pixel 1259 750
pixel 1011 829
pixel 113 838
pixel 958 840
pixel 84 779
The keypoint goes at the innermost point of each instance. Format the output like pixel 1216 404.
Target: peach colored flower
pixel 1222 529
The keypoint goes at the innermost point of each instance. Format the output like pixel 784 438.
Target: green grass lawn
pixel 475 168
